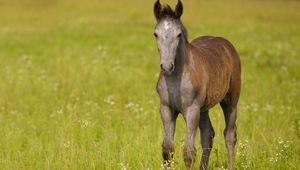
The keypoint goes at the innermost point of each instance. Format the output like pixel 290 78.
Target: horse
pixel 194 77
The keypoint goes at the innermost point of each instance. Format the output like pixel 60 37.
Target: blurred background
pixel 77 83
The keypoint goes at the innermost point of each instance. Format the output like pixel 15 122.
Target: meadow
pixel 77 84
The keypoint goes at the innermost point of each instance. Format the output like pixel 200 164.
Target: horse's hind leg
pixel 207 135
pixel 230 111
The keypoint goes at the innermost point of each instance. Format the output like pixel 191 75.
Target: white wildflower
pixel 109 100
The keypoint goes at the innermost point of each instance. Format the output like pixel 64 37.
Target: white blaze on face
pixel 167 25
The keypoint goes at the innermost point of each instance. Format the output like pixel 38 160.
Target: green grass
pixel 77 83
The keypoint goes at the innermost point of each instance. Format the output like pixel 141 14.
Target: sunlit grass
pixel 78 82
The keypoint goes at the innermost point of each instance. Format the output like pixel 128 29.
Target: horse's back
pixel 217 44
pixel 203 39
pixel 217 50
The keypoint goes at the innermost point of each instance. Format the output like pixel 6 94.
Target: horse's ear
pixel 179 9
pixel 157 9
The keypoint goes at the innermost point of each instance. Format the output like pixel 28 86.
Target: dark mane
pixel 167 11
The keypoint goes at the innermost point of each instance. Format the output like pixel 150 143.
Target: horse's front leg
pixel 192 117
pixel 168 117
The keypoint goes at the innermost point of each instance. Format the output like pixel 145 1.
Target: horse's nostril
pixel 172 66
pixel 161 67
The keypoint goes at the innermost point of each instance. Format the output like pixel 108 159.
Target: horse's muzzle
pixel 167 67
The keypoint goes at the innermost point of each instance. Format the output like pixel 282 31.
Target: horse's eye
pixel 179 35
pixel 155 35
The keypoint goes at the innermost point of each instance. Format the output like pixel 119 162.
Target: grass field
pixel 77 83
